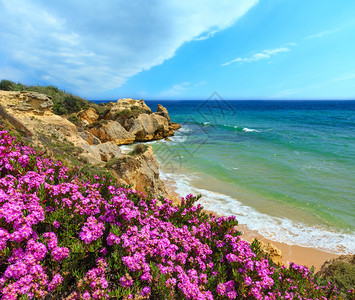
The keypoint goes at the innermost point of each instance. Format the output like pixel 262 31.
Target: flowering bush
pixel 62 237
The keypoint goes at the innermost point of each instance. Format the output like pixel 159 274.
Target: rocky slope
pixel 96 133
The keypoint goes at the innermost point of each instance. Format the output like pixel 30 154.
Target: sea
pixel 286 169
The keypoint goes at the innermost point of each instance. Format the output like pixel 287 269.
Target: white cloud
pixel 180 88
pixel 99 45
pixel 345 77
pixel 265 54
pixel 321 34
pixel 176 89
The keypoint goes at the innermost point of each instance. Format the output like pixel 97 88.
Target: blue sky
pixel 182 49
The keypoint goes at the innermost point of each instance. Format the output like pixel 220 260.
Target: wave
pixel 126 148
pixel 223 126
pixel 250 130
pixel 274 228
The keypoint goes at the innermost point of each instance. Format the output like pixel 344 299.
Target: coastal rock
pixel 148 127
pixel 29 102
pixel 142 171
pixel 128 105
pixel 112 131
pixel 88 116
pixel 272 251
pixel 89 138
pixel 162 111
pixel 107 151
pixel 172 128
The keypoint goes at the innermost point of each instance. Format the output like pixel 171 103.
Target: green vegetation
pixel 133 112
pixel 138 150
pixel 124 114
pixel 63 103
pixel 97 124
pixel 7 85
pixel 340 272
pixel 74 119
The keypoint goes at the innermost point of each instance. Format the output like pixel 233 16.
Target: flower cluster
pixel 119 243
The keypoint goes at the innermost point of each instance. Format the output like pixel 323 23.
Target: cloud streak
pixel 90 45
pixel 321 34
pixel 265 54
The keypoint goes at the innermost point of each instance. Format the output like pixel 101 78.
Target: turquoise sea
pixel 284 168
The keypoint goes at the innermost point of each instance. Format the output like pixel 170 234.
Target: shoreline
pixel 306 256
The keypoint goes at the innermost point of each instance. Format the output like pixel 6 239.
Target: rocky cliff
pixel 95 133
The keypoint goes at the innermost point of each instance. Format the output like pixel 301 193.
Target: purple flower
pixel 145 291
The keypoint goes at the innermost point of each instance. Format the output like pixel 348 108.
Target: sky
pixel 182 49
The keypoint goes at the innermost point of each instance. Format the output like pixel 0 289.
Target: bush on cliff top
pixel 64 237
pixel 63 103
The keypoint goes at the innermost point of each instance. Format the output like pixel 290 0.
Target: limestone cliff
pixel 95 133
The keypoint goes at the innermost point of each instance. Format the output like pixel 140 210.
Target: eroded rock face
pixel 113 131
pixel 89 138
pixel 141 171
pixel 29 102
pixel 272 251
pixel 107 151
pixel 148 127
pixel 162 111
pixel 88 116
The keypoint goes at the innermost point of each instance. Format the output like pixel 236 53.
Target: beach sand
pixel 290 253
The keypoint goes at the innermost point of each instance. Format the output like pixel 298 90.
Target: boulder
pixel 173 127
pixel 142 171
pixel 88 116
pixel 89 138
pixel 148 127
pixel 162 111
pixel 272 251
pixel 112 131
pixel 107 151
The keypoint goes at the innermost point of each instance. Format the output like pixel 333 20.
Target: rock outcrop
pixel 142 171
pixel 88 116
pixel 112 131
pixel 127 104
pixel 95 133
pixel 35 103
pixel 162 111
pixel 272 252
pixel 148 127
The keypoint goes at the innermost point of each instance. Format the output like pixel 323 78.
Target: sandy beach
pixel 290 253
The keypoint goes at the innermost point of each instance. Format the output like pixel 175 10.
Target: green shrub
pixel 124 114
pixel 63 103
pixel 74 119
pixel 138 150
pixel 7 85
